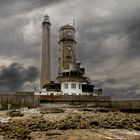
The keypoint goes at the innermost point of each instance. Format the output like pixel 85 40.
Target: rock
pixel 52 110
pixel 104 110
pixel 15 113
pixel 53 133
pixel 136 127
pixel 20 128
pixel 95 123
pixel 5 120
pixel 87 109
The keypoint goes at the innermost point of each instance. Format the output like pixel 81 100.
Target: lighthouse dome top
pixel 67 26
pixel 46 19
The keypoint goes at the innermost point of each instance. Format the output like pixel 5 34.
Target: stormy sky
pixel 108 41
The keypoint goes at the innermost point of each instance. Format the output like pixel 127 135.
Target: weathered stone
pixel 53 132
pixel 21 127
pixel 52 110
pixel 105 110
pixel 15 113
pixel 95 123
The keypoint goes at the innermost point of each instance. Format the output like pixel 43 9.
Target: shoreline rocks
pixel 74 119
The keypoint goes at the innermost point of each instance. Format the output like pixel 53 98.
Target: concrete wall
pixel 17 101
pixel 130 104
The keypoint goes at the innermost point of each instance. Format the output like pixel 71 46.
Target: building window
pixel 66 86
pixel 73 86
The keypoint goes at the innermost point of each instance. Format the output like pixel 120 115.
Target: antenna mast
pixel 74 22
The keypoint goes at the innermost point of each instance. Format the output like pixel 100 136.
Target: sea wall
pixel 97 101
pixel 14 101
pixel 19 100
pixel 101 101
pixel 77 98
pixel 126 104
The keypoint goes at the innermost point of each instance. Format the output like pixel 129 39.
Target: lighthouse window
pixel 66 86
pixel 69 47
pixel 68 58
pixel 73 86
pixel 79 86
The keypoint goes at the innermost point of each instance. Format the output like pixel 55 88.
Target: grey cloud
pixel 134 38
pixel 121 93
pixel 99 84
pixel 9 8
pixel 118 92
pixel 15 42
pixel 110 81
pixel 13 77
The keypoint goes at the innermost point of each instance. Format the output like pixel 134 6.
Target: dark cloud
pixel 95 33
pixel 20 32
pixel 117 89
pixel 13 77
pixel 98 83
pixel 9 8
pixel 121 93
pixel 110 81
pixel 134 38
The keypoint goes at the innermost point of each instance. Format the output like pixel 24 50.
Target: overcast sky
pixel 108 40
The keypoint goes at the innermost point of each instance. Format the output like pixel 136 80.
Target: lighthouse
pixel 46 57
pixel 71 79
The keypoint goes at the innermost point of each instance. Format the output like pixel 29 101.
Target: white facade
pixel 71 88
pixel 67 88
pixel 44 92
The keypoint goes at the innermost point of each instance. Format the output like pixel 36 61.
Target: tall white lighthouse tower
pixel 46 57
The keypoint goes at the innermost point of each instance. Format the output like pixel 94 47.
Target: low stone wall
pixel 130 104
pixel 77 98
pixel 14 101
pixel 97 101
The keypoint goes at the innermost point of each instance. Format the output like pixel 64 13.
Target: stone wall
pixel 14 101
pixel 97 101
pixel 77 98
pixel 130 104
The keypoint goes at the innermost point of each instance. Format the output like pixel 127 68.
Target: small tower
pixel 67 47
pixel 70 75
pixel 46 57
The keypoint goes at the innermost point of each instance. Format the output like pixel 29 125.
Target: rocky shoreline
pixel 62 119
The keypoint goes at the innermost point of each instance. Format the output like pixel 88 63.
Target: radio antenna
pixel 74 22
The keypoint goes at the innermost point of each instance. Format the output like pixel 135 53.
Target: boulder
pixel 15 113
pixel 52 110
